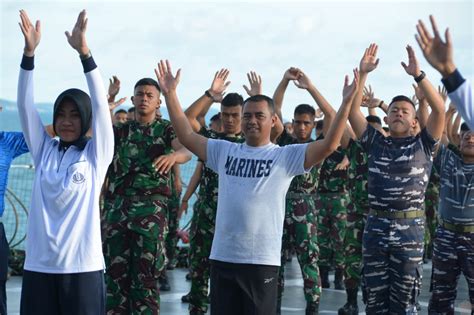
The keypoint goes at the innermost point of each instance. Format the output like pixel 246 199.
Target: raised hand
pixel 319 113
pixel 167 81
pixel 350 90
pixel 368 99
pixel 292 74
pixel 369 61
pixel 32 34
pixel 114 105
pixel 413 68
pixel 420 96
pixel 219 85
pixel 255 82
pixel 77 39
pixel 437 52
pixel 302 81
pixel 114 86
pixel 443 93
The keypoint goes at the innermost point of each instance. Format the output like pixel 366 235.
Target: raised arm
pixel 255 83
pixel 114 88
pixel 201 106
pixel 303 82
pixel 367 64
pixel 31 124
pixel 422 112
pixel 279 94
pixel 197 144
pixel 102 132
pixel 319 150
pixel 435 123
pixel 439 54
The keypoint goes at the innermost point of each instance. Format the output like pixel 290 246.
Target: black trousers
pixel 63 294
pixel 243 289
pixel 4 252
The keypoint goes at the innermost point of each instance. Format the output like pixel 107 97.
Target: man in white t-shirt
pixel 253 180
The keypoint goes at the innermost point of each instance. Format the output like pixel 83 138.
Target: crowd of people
pixel 368 202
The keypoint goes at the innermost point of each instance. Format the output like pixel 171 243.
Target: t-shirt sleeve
pixel 294 156
pixel 428 142
pixel 16 141
pixel 369 137
pixel 214 153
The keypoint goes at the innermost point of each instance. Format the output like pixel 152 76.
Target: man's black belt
pixel 397 214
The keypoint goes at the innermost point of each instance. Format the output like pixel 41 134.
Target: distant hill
pixel 9 120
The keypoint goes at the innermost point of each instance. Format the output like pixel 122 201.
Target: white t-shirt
pixel 253 182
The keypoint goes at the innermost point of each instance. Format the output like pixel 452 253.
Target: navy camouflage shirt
pixel 399 169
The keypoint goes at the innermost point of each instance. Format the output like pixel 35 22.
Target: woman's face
pixel 68 122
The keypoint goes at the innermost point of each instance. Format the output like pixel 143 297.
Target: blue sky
pixel 325 39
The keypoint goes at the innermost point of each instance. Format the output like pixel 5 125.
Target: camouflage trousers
pixel 392 264
pixel 332 219
pixel 431 210
pixel 134 254
pixel 171 239
pixel 356 220
pixel 202 232
pixel 453 253
pixel 300 230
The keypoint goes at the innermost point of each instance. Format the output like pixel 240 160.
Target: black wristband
pixel 28 63
pixel 420 77
pixel 208 94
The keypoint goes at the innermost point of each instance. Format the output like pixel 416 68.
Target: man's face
pixel 467 144
pixel 68 121
pixel 303 125
pixel 146 99
pixel 257 121
pixel 120 118
pixel 401 119
pixel 231 117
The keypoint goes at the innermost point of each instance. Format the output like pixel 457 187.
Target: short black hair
pixel 131 110
pixel 216 117
pixel 465 127
pixel 262 98
pixel 232 99
pixel 120 111
pixel 402 98
pixel 147 81
pixel 304 109
pixel 373 119
pixel 319 124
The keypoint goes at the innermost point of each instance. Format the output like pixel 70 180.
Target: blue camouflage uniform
pixel 454 241
pixel 392 252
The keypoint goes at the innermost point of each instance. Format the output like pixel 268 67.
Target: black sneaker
pixel 348 309
pixel 185 298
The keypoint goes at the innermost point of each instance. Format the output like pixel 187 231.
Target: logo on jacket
pixel 78 178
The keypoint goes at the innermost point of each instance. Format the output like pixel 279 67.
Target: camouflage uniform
pixel 398 170
pixel 202 231
pixel 332 212
pixel 135 207
pixel 356 214
pixel 300 229
pixel 453 251
pixel 171 239
pixel 431 210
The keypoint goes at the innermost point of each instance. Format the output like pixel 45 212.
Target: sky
pixel 326 39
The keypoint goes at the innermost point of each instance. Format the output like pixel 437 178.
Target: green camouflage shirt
pixel 305 184
pixel 357 174
pixel 331 180
pixel 208 185
pixel 136 147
